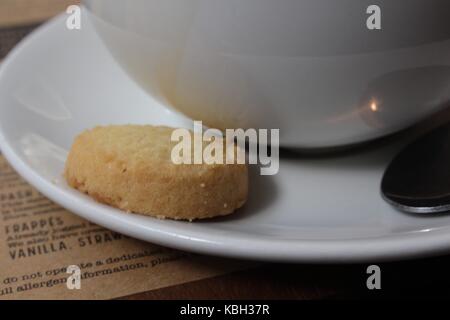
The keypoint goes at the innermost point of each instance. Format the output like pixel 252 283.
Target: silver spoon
pixel 418 179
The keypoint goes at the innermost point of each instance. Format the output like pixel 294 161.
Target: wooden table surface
pixel 417 278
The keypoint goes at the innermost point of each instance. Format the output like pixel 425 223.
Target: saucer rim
pixel 388 248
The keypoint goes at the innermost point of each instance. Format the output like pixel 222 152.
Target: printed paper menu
pixel 46 252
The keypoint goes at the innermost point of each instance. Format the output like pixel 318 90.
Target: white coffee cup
pixel 318 70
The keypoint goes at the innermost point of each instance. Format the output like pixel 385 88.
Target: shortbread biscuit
pixel 130 167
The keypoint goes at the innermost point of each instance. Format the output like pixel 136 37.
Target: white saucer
pixel 59 82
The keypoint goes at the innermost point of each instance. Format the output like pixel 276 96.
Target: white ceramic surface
pixel 308 67
pixel 59 82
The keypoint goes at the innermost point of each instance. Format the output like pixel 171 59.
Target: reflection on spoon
pixel 418 179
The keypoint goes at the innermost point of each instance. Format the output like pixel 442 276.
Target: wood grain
pixel 424 278
pixel 27 12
